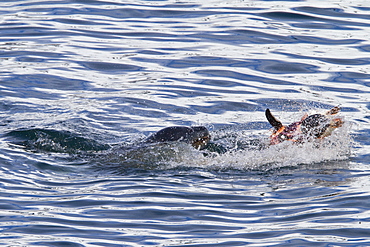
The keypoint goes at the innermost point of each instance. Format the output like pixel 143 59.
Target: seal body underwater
pixel 310 127
pixel 197 136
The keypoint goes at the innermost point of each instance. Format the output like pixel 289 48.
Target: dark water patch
pixel 357 232
pixel 335 12
pixel 66 164
pixel 153 52
pixel 131 12
pixel 221 83
pixel 43 229
pixel 218 244
pixel 48 140
pixel 298 17
pixel 335 232
pixel 325 41
pixel 346 61
pixel 341 61
pixel 27 31
pixel 277 67
pixel 218 107
pixel 31 59
pixel 362 8
pixel 337 89
pixel 365 48
pixel 290 16
pixel 26 82
pixel 193 91
pixel 244 77
pixel 59 243
pixel 129 34
pixel 312 216
pixel 243 36
pixel 268 66
pixel 322 26
pixel 195 62
pixel 110 67
pixel 170 39
pixel 136 211
pixel 350 77
pixel 76 21
pixel 31 54
pixel 164 11
pixel 242 9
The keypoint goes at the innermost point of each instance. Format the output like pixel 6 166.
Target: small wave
pixel 55 141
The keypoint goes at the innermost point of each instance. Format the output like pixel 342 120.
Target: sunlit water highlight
pixel 84 82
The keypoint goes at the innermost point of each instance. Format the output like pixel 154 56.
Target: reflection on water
pixel 84 82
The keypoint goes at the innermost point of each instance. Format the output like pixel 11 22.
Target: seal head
pixel 197 136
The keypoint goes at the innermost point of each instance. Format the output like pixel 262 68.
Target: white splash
pixel 335 147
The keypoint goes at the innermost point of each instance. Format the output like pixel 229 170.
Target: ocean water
pixel 84 82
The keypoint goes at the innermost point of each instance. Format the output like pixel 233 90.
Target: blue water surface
pixel 84 82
